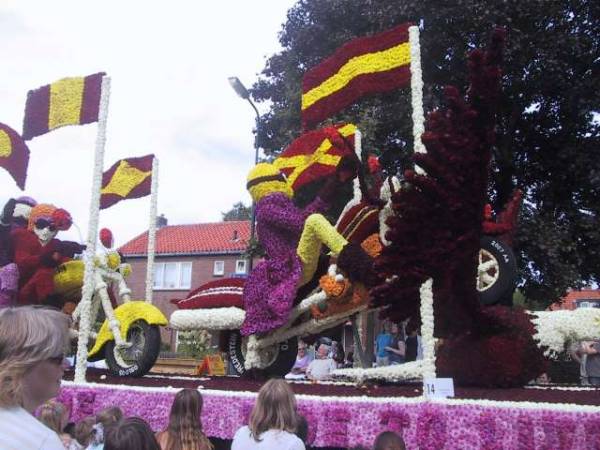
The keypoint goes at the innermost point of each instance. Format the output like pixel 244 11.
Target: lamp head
pixel 238 87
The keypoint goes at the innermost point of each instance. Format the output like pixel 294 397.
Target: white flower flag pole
pixel 88 256
pixel 152 231
pixel 416 92
pixel 418 117
pixel 426 293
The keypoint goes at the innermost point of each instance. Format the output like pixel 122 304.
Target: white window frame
pixel 245 265
pixel 219 272
pixel 182 284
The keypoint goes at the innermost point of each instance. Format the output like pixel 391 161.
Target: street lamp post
pixel 243 93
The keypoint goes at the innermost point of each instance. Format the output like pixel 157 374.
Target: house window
pixel 240 266
pixel 159 271
pixel 585 305
pixel 219 268
pixel 173 275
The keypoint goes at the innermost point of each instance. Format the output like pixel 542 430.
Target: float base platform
pixel 341 415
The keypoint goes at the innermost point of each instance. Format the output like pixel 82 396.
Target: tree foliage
pixel 548 128
pixel 238 211
pixel 194 344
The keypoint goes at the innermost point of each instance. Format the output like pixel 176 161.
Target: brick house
pixel 584 298
pixel 187 256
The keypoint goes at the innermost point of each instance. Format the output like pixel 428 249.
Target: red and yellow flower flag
pixel 316 154
pixel 363 66
pixel 127 178
pixel 69 101
pixel 14 154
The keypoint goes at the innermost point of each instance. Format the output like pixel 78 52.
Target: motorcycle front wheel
pixel 138 359
pixel 277 359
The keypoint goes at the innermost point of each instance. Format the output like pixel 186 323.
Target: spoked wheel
pixel 276 360
pixel 488 270
pixel 496 271
pixel 138 358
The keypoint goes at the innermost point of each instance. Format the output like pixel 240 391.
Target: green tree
pixel 238 211
pixel 548 131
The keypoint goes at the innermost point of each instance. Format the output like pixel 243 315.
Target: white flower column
pixel 88 256
pixel 428 340
pixel 152 231
pixel 416 92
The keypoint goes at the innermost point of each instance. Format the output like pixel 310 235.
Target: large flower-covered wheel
pixel 139 356
pixel 276 360
pixel 496 271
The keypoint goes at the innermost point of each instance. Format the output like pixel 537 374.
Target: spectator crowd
pixel 33 342
pixel 32 352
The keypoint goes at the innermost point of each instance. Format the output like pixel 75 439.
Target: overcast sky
pixel 169 63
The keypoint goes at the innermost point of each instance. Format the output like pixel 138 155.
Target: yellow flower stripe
pixel 66 97
pixel 269 187
pixel 302 162
pixel 347 130
pixel 5 144
pixel 359 65
pixel 320 156
pixel 125 179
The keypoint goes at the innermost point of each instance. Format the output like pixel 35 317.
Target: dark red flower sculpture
pixel 436 233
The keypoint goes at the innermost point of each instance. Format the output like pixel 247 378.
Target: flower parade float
pixel 425 248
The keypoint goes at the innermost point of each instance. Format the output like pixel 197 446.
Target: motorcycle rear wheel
pixel 138 359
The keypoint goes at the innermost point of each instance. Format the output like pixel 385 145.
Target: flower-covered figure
pixel 37 253
pixel 292 238
pixel 15 214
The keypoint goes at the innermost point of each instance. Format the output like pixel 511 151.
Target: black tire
pixel 281 365
pixel 144 359
pixel 503 286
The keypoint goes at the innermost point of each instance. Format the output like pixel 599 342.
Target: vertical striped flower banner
pixel 76 101
pixel 14 154
pixel 134 178
pixel 69 101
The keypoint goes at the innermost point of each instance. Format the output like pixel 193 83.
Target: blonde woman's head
pixel 32 348
pixel 275 409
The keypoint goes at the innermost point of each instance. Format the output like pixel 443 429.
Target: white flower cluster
pixel 152 231
pixel 357 194
pixel 428 340
pixel 416 89
pixel 385 194
pixel 230 318
pixel 412 370
pixel 557 329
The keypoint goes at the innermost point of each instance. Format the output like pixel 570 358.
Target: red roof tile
pixel 569 300
pixel 194 239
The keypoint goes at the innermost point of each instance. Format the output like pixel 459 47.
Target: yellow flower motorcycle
pixel 129 337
